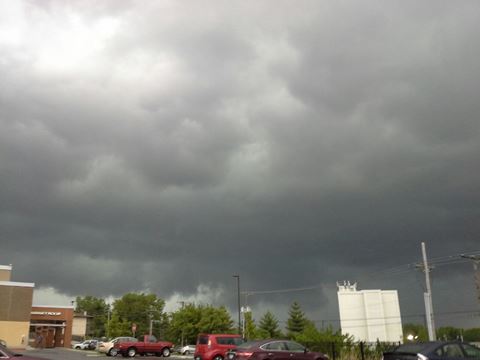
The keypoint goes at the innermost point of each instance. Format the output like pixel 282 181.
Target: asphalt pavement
pixel 71 354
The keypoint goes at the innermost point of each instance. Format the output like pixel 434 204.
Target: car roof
pixel 422 346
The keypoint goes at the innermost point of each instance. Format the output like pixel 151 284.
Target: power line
pixel 391 271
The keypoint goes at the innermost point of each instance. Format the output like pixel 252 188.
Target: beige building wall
pixel 5 272
pixel 15 333
pixel 79 326
pixel 15 307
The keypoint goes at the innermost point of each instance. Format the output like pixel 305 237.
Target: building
pixel 80 326
pixel 21 323
pixel 53 323
pixel 369 315
pixel 15 307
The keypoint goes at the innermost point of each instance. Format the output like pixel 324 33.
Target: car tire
pixel 112 352
pixel 166 352
pixel 218 357
pixel 132 352
pixel 187 352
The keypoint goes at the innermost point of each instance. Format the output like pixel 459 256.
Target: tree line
pixel 183 325
pixel 147 311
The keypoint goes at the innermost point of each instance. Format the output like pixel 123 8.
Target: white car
pixel 87 344
pixel 187 350
pixel 107 346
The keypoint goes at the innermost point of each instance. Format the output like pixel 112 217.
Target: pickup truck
pixel 149 346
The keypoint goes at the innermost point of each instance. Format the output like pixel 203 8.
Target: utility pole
pixel 427 296
pixel 476 269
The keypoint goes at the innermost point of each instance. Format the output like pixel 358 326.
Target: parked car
pixel 187 349
pixel 107 346
pixel 274 349
pixel 86 345
pixel 6 353
pixel 148 344
pixel 215 346
pixel 434 350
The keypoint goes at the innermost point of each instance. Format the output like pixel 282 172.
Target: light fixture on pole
pixel 238 303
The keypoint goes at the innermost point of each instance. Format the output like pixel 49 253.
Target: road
pixel 70 354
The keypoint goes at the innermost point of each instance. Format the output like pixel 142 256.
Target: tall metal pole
pixel 428 297
pixel 238 303
pixel 476 269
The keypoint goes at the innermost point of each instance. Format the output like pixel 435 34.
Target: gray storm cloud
pixel 169 145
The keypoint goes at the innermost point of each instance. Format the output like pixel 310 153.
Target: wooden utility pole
pixel 476 269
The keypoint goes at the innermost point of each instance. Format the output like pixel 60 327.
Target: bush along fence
pixel 353 350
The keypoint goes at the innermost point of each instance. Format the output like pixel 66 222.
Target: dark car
pixel 434 350
pixel 274 349
pixel 5 353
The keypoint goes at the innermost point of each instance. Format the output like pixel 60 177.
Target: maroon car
pixel 274 350
pixel 8 354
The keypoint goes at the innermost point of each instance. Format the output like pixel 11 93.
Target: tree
pixel 98 309
pixel 322 340
pixel 449 333
pixel 268 326
pixel 215 320
pixel 250 327
pixel 186 323
pixel 472 335
pixel 138 309
pixel 183 327
pixel 296 321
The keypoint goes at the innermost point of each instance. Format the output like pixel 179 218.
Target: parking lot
pixel 70 354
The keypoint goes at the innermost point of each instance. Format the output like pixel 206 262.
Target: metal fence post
pixel 362 350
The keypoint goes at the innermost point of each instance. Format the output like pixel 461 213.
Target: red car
pixel 8 354
pixel 215 346
pixel 149 345
pixel 274 350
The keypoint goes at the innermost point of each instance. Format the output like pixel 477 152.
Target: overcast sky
pixel 165 146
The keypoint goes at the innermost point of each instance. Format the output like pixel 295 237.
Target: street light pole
pixel 238 303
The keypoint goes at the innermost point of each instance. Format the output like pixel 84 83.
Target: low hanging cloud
pixel 168 146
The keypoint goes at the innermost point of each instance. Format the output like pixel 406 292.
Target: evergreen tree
pixel 250 327
pixel 268 326
pixel 297 321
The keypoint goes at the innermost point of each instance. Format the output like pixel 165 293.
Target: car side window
pixel 471 351
pixel 295 347
pixel 276 346
pixel 452 350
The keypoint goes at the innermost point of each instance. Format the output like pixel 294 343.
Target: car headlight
pixel 421 357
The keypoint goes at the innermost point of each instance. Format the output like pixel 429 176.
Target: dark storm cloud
pixel 150 148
